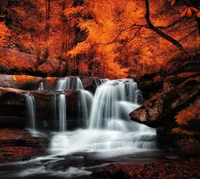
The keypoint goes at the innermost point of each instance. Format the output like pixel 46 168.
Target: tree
pixel 192 10
pixel 4 34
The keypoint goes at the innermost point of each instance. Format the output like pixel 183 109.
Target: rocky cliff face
pixel 16 142
pixel 173 108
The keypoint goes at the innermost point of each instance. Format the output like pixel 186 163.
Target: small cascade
pixel 110 102
pixel 99 82
pixel 62 113
pixel 85 104
pixel 74 83
pixel 79 84
pixel 110 131
pixel 63 83
pixel 30 103
pixel 41 86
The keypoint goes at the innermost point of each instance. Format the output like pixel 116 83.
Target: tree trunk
pixel 48 8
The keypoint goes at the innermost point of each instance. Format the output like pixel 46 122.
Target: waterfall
pixel 85 98
pixel 110 131
pixel 110 102
pixel 62 113
pixel 73 83
pixel 41 86
pixel 30 103
pixel 63 83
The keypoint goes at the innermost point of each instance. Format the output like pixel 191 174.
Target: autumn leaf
pixel 198 14
pixel 189 12
pixel 173 2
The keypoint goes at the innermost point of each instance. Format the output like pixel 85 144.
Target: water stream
pixel 30 103
pixel 109 134
pixel 110 131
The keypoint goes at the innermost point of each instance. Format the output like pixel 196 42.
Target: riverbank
pixel 188 168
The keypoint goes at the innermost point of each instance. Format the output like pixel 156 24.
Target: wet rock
pixel 160 112
pixel 173 170
pixel 16 145
pixel 50 83
pixel 12 105
pixel 89 83
pixel 12 121
pixel 23 82
pixel 26 82
pixel 154 111
pixel 47 107
pixel 6 81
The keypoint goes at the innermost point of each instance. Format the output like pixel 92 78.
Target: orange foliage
pixel 190 113
pixel 4 33
pixel 105 38
pixel 179 130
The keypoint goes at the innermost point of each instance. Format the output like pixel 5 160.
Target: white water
pixel 85 104
pixel 69 83
pixel 30 103
pixel 113 100
pixel 62 113
pixel 110 132
pixel 41 86
pixel 74 83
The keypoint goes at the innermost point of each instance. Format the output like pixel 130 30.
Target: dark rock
pixel 154 111
pixel 26 82
pixel 89 83
pixel 50 83
pixel 12 102
pixel 12 121
pixel 160 111
pixel 6 81
pixel 18 145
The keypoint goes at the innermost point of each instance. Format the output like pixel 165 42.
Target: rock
pixel 12 121
pixel 47 103
pixel 6 81
pixel 174 170
pixel 50 83
pixel 26 82
pixel 160 111
pixel 89 83
pixel 12 105
pixel 16 145
pixel 175 80
pixel 13 61
pixel 23 82
pixel 154 111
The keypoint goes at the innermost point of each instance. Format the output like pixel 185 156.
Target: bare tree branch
pixel 159 32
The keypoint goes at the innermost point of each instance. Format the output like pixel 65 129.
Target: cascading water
pixel 85 104
pixel 62 113
pixel 73 83
pixel 30 103
pixel 110 130
pixel 41 86
pixel 69 83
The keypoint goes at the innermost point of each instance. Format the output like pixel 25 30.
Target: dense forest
pixel 107 38
pixel 105 88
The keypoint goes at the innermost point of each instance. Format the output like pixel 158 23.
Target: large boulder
pixel 23 82
pixel 161 110
pixel 154 111
pixel 12 107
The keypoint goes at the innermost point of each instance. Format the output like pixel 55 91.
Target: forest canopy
pixel 105 38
